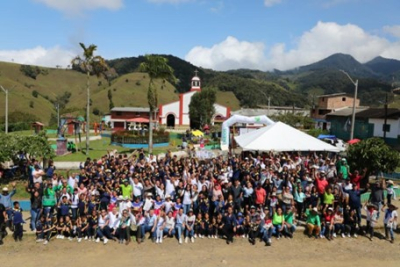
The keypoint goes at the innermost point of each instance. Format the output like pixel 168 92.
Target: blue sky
pixel 218 34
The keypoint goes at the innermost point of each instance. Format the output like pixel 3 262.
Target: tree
pixel 157 68
pixel 34 146
pixel 294 119
pixel 373 154
pixel 90 64
pixel 201 107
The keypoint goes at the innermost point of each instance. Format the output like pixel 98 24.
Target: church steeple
pixel 196 83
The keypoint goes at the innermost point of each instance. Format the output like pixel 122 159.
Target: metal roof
pixel 344 112
pixel 130 109
pixel 379 113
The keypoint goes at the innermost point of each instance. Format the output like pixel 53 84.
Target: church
pixel 177 113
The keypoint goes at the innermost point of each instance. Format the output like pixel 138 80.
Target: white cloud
pixel 392 30
pixel 76 7
pixel 39 55
pixel 229 54
pixel 323 40
pixel 269 3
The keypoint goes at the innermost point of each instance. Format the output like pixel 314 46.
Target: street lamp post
pixel 353 116
pixel 6 112
pixel 385 121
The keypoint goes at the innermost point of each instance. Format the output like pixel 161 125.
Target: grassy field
pixel 126 90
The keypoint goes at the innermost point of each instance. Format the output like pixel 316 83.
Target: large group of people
pixel 141 197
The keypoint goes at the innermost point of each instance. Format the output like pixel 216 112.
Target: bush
pixel 129 137
pixel 96 111
pixel 31 104
pixel 35 93
pixel 30 71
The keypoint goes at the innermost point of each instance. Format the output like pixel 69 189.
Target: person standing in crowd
pixel 3 216
pixel 36 193
pixel 390 222
pixel 6 200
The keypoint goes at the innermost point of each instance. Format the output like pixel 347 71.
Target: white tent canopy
pixel 281 137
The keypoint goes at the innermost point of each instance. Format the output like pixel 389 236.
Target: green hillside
pixel 126 90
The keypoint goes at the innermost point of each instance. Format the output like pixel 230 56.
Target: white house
pixel 177 113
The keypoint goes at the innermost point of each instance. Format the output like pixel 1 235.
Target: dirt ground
pixel 299 251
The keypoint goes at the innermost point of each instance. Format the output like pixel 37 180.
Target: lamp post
pixel 57 106
pixel 6 112
pixel 353 116
pixel 385 121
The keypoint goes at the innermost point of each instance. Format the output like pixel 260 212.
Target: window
pixel 118 113
pixel 343 99
pixel 386 128
pixel 323 99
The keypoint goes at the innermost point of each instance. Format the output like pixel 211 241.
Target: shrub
pixel 35 93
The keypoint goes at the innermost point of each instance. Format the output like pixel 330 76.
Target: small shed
pixel 37 127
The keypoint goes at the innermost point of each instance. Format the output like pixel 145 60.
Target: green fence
pixel 340 127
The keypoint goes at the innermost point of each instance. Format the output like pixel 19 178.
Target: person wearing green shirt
pixel 64 184
pixel 344 169
pixel 278 221
pixel 313 222
pixel 328 198
pixel 290 226
pixel 49 199
pixel 127 189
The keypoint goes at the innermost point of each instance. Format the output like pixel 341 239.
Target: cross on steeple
pixel 195 73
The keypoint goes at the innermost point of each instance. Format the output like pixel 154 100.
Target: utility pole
pixel 269 104
pixel 57 106
pixel 353 116
pixel 385 122
pixel 6 112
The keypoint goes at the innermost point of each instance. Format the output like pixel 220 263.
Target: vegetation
pixel 18 121
pixel 90 64
pixel 294 119
pixel 33 146
pixel 201 107
pixel 157 68
pixel 373 154
pixel 30 71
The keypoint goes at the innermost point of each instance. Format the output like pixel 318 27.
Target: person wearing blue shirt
pixel 229 225
pixel 148 225
pixel 17 221
pixel 6 200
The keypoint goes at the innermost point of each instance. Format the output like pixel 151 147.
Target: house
pixel 123 118
pixel 369 122
pixel 328 104
pixel 177 113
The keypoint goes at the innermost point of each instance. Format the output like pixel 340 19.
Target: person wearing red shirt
pixel 260 195
pixel 356 178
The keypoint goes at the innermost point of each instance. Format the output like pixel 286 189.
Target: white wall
pixel 220 110
pixel 168 109
pixel 378 126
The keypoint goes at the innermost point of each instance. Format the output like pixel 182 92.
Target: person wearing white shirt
pixel 113 220
pixel 103 230
pixel 390 221
pixel 180 220
pixel 125 205
pixel 170 187
pixel 137 187
pixel 169 229
pixel 73 181
pixel 37 174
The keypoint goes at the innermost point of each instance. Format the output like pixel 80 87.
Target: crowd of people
pixel 119 197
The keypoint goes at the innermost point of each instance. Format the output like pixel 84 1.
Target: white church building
pixel 177 113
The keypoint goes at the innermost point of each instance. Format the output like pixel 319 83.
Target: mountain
pixel 340 62
pixel 384 66
pixel 34 90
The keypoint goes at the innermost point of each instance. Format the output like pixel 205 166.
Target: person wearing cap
pixel 390 221
pixel 372 218
pixel 127 189
pixel 313 222
pixel 377 196
pixel 6 200
pixel 344 169
pixel 390 193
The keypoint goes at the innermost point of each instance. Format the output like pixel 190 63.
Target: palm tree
pixel 90 64
pixel 157 68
